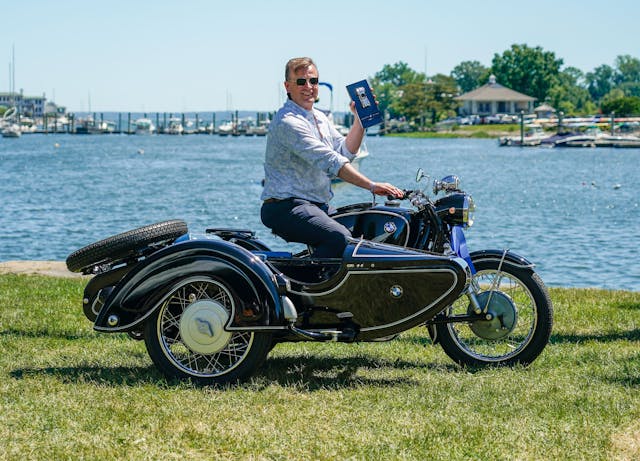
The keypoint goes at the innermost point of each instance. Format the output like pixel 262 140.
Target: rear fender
pixel 144 288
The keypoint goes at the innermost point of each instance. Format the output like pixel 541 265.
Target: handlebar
pixel 405 195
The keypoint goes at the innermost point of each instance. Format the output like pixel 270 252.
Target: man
pixel 304 151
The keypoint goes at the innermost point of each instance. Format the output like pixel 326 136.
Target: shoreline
pixel 49 268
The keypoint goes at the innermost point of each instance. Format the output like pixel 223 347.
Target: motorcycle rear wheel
pixel 186 339
pixel 516 335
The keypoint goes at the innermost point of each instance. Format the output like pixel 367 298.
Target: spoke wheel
pixel 186 336
pixel 520 324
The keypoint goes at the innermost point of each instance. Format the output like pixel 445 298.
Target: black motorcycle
pixel 210 308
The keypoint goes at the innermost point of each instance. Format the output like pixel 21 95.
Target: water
pixel 574 212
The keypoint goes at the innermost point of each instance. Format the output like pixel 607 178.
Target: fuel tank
pixel 378 223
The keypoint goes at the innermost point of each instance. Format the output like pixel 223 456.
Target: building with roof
pixel 492 99
pixel 32 106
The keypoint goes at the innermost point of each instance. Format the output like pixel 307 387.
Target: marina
pixel 578 132
pixel 223 123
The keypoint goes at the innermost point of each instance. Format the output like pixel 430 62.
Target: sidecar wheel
pixel 186 338
pixel 123 245
pixel 521 325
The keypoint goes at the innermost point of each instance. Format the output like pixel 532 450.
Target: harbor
pixel 234 123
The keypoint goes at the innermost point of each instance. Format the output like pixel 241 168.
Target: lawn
pixel 67 392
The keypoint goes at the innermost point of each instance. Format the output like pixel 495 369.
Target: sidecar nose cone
pixel 113 320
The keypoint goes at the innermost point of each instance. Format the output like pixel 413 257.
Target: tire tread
pixel 121 245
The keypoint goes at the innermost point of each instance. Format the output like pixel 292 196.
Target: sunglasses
pixel 303 81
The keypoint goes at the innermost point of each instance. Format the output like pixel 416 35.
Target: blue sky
pixel 198 55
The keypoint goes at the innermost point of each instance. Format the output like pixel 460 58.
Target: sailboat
pixel 11 118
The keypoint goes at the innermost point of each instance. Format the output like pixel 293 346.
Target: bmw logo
pixel 390 227
pixel 396 291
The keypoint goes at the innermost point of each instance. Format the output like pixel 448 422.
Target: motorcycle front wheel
pixel 521 318
pixel 186 338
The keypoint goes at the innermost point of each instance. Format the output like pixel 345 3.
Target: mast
pixel 13 66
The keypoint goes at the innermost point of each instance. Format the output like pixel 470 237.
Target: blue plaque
pixel 366 106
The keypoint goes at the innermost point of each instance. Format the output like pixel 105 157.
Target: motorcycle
pixel 210 308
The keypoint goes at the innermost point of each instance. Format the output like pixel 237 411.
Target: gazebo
pixel 544 111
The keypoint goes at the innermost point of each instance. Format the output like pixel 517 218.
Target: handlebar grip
pixel 405 194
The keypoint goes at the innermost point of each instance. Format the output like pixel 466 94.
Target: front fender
pixel 143 288
pixel 509 258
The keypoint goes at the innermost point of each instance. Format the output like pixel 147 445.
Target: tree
pixel 470 75
pixel 627 70
pixel 621 105
pixel 412 102
pixel 600 82
pixel 630 88
pixel 569 95
pixel 389 84
pixel 531 71
pixel 441 89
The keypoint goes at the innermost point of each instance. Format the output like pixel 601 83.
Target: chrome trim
pixel 290 312
pixel 394 248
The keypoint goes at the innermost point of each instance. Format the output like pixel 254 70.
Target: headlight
pixel 449 183
pixel 456 209
pixel 468 211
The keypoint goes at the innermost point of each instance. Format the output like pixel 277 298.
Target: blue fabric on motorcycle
pixel 459 245
pixel 302 221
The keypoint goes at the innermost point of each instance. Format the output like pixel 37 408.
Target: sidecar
pixel 210 307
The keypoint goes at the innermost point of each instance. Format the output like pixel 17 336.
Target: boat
pixel 611 140
pixel 559 137
pixel 261 129
pixel 174 126
pixel 8 125
pixel 90 126
pixel 11 131
pixel 591 137
pixel 534 135
pixel 226 128
pixel 629 141
pixel 144 126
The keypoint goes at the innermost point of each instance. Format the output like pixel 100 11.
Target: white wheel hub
pixel 202 327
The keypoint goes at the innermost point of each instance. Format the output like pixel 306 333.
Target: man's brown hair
pixel 294 64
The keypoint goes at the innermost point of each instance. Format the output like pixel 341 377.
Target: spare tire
pixel 123 245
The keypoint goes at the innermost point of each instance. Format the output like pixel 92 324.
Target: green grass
pixel 67 392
